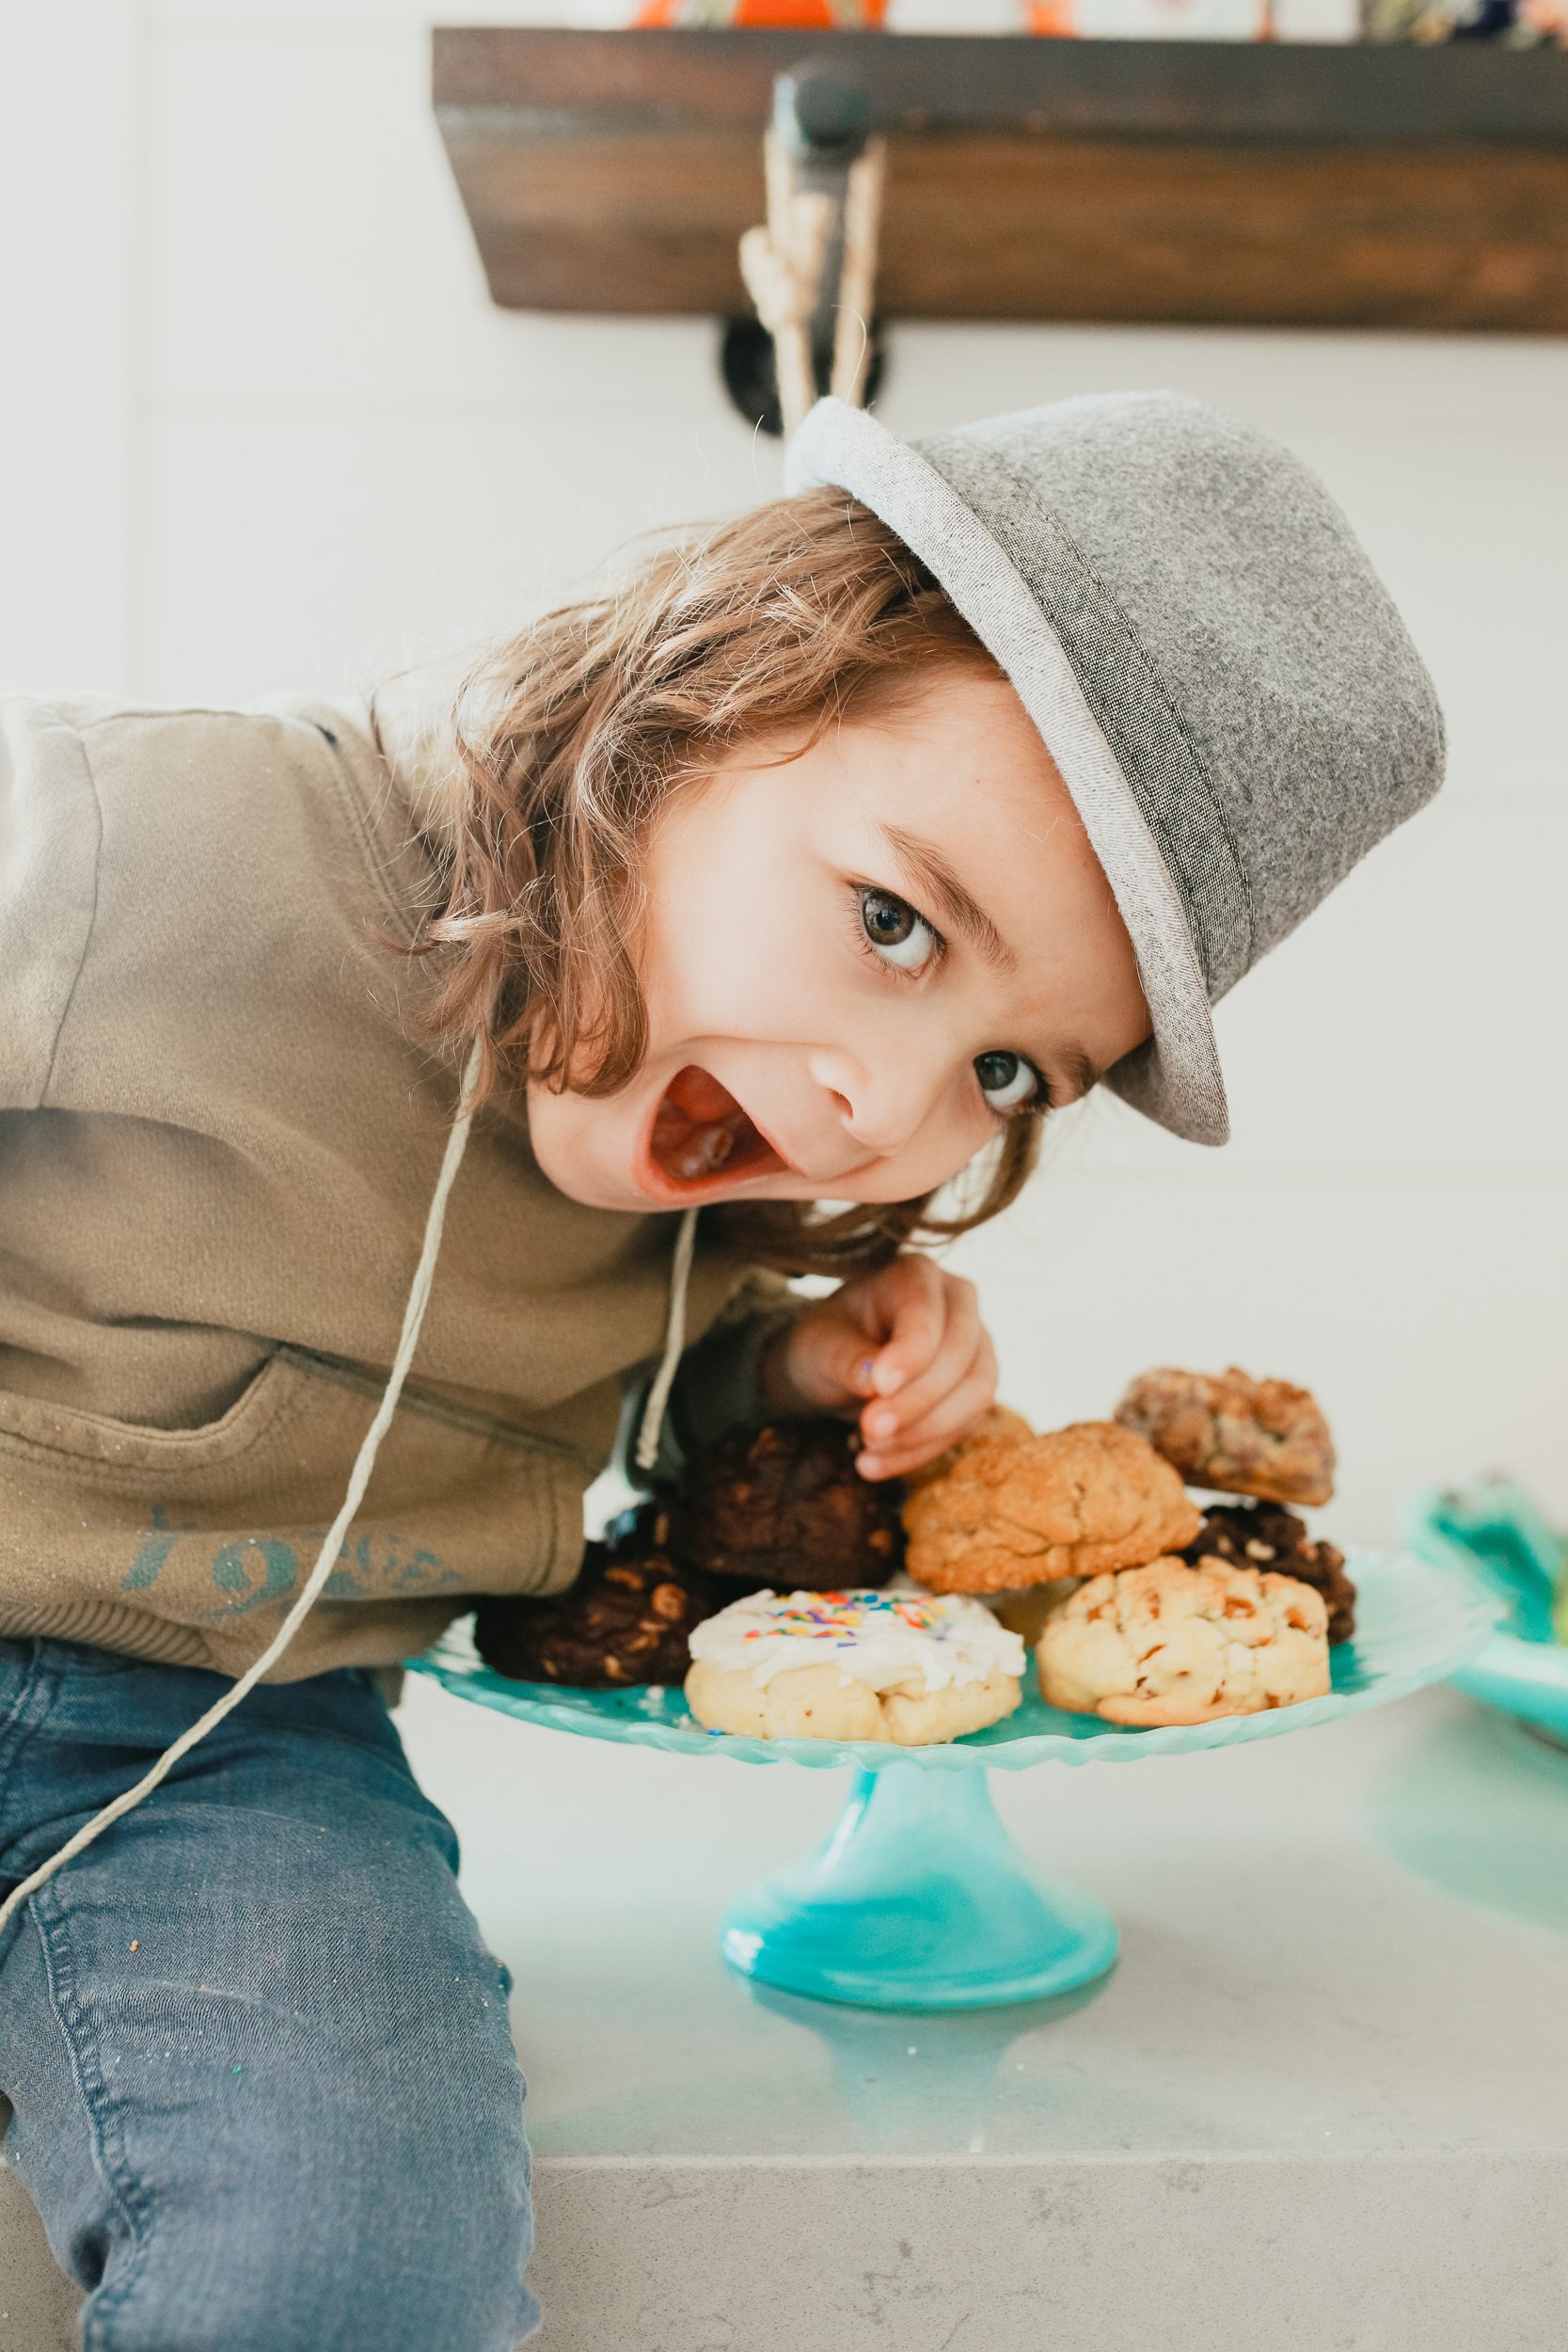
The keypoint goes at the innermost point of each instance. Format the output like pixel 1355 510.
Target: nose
pixel 881 1102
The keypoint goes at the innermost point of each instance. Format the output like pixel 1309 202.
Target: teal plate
pixel 920 1898
pixel 1494 1531
pixel 1417 1621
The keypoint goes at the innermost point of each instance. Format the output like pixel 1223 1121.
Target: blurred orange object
pixel 1053 18
pixel 768 15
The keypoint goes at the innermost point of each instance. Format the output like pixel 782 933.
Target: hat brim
pixel 1175 1077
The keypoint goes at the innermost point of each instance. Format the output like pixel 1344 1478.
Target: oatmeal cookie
pixel 1237 1435
pixel 1023 1511
pixel 853 1666
pixel 1168 1643
pixel 1266 1535
pixel 625 1621
pixel 784 1506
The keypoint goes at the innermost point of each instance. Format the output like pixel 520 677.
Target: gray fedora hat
pixel 1229 695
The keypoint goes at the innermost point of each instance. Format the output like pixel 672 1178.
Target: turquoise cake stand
pixel 1494 1531
pixel 920 1900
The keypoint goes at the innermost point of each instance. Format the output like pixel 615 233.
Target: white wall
pixel 260 426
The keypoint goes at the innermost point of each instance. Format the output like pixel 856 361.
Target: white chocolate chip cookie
pixel 1169 1644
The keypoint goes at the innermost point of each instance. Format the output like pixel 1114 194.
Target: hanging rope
pixel 856 283
pixel 782 265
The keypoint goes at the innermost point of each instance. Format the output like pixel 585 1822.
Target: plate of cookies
pixel 1131 1587
pixel 1138 1585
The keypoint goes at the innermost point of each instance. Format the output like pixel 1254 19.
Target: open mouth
pixel 701 1135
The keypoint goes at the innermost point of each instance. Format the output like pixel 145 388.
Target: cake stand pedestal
pixel 920 1900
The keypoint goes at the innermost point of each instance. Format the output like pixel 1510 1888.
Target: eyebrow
pixel 927 866
pixel 923 861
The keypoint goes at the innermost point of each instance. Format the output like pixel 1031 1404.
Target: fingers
pixel 908 1342
pixel 874 1335
pixel 916 1442
pixel 936 1339
pixel 934 1405
pixel 822 1363
pixel 910 1306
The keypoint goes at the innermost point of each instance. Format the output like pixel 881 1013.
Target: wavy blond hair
pixel 566 739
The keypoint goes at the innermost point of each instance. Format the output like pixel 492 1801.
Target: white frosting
pixel 881 1639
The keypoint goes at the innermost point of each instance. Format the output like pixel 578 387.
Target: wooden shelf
pixel 1196 181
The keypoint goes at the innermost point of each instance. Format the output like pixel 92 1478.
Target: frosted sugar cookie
pixel 853 1666
pixel 1168 1643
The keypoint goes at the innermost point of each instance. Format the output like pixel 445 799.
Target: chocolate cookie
pixel 1240 1436
pixel 625 1621
pixel 784 1506
pixel 1265 1536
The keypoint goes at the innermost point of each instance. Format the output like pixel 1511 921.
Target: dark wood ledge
pixel 1196 181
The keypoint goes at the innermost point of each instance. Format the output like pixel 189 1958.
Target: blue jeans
pixel 264 2086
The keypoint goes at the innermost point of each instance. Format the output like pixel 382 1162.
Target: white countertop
pixel 1319 2105
pixel 1320 2102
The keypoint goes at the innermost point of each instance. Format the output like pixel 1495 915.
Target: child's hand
pixel 909 1340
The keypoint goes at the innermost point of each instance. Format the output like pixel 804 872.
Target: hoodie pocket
pixel 203 1527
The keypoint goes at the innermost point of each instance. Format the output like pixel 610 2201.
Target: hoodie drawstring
pixel 674 1340
pixel 332 1544
pixel 359 1478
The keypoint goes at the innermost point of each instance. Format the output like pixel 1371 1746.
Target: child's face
pixel 856 963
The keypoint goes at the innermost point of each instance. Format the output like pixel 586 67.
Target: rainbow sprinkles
pixel 887 1640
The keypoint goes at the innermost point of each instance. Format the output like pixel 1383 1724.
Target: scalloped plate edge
pixel 1476 1614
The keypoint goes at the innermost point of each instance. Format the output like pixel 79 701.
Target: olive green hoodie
pixel 220 1125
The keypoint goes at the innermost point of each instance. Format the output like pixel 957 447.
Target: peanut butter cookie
pixel 1025 1510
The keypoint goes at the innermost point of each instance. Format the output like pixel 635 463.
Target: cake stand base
pixel 919 1900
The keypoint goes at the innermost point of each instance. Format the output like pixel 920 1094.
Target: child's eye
pixel 1007 1080
pixel 899 935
